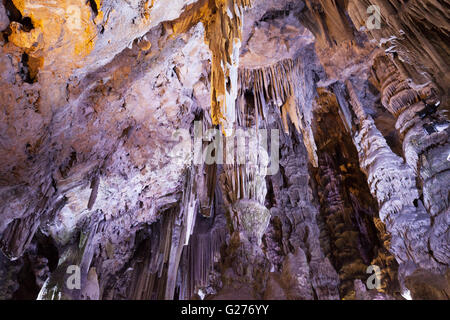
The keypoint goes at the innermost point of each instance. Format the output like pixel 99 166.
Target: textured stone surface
pixel 98 104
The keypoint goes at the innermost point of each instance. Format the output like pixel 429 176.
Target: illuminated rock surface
pixel 102 103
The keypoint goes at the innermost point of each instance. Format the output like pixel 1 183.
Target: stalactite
pixel 327 21
pixel 94 186
pixel 176 235
pixel 270 85
pixel 78 254
pixel 223 35
pixel 152 273
pixel 297 213
pixel 244 187
pixel 92 91
pixel 417 31
pixel 201 255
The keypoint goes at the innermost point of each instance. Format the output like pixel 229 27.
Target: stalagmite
pixel 224 149
pixel 271 85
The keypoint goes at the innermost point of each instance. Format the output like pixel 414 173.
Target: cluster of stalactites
pixel 247 181
pixel 273 85
pixel 156 277
pixel 416 30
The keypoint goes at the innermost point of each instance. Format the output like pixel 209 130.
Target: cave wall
pixel 98 108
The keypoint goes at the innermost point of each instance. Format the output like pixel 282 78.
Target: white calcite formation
pixel 108 109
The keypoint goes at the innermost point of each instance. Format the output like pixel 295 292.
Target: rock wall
pixel 104 103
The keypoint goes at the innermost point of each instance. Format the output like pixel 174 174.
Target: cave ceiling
pixel 111 110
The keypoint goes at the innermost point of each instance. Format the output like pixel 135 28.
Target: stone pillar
pixel 393 184
pixel 426 145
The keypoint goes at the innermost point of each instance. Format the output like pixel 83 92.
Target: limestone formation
pixel 224 149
